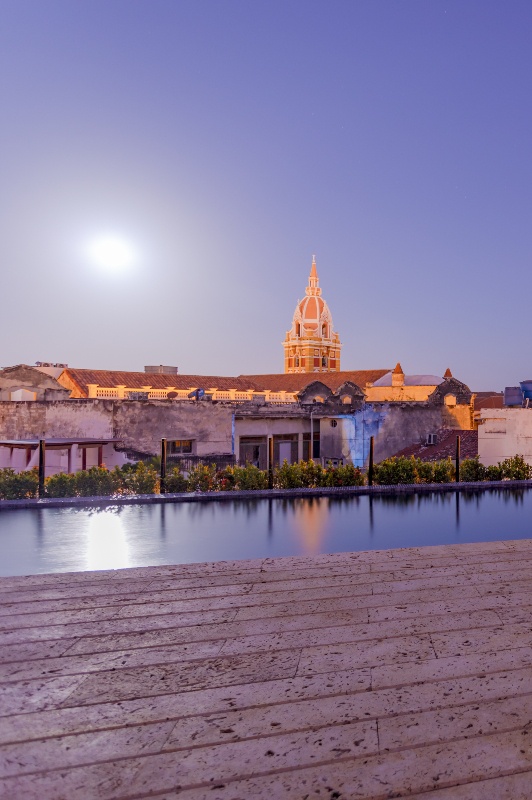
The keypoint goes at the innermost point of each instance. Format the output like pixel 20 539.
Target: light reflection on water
pixel 107 542
pixel 71 539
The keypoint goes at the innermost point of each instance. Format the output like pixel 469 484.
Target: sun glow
pixel 112 253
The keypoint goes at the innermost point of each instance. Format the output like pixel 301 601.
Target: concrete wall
pixel 393 428
pixel 213 429
pixel 140 425
pixel 503 433
pixel 398 394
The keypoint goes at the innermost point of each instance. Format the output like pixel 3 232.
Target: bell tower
pixel 311 345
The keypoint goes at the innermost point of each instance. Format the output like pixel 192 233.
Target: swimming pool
pixel 40 540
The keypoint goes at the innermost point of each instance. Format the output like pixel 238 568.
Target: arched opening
pixel 347 399
pixel 298 329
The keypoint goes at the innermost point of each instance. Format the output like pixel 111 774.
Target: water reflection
pixel 310 517
pixel 63 539
pixel 106 541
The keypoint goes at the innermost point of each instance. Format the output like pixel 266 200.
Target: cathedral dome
pixel 311 345
pixel 312 316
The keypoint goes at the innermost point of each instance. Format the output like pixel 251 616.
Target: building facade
pixel 311 344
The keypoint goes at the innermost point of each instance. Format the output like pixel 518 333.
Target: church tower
pixel 311 344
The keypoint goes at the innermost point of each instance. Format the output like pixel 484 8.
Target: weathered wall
pixel 143 425
pixel 460 416
pixel 398 394
pixel 503 433
pixel 392 426
pixel 405 425
pixel 140 426
pixel 23 420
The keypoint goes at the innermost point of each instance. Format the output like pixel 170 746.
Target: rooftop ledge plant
pixel 133 479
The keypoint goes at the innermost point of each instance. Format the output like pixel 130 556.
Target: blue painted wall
pixel 357 429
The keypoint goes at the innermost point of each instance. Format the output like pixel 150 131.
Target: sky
pixel 225 143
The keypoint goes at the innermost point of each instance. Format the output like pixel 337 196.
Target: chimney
pixel 398 376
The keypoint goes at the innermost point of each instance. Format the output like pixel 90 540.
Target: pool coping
pixel 263 494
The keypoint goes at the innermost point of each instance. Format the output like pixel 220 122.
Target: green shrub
pixel 397 469
pixel 249 477
pixel 515 469
pixel 288 476
pixel 443 471
pixel 343 475
pixel 312 474
pixel 424 471
pixel 175 481
pixel 472 470
pixel 494 472
pixel 202 478
pixel 61 485
pixel 142 480
pixel 98 481
pixel 18 485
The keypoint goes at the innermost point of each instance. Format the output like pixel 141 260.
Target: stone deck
pixel 400 673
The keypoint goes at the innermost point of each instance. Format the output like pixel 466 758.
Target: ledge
pixel 262 494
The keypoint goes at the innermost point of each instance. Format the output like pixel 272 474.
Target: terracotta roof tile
pixel 136 380
pixel 445 446
pixel 298 381
pixel 275 382
pixel 488 400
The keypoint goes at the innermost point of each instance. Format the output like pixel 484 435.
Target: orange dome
pixel 312 314
pixel 311 345
pixel 311 311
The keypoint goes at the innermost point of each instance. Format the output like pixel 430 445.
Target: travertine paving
pixel 400 673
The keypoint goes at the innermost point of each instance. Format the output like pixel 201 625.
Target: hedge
pixel 143 478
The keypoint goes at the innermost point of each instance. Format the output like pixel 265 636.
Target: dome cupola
pixel 311 345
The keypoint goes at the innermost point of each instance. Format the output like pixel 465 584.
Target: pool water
pixel 36 541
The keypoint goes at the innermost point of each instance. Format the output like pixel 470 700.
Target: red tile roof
pixel 445 446
pixel 136 380
pixel 298 381
pixel 283 382
pixel 488 400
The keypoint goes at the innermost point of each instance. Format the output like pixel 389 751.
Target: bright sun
pixel 112 253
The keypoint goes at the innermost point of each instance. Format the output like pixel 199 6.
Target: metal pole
pixel 270 462
pixel 370 463
pixel 457 460
pixel 311 450
pixel 42 457
pixel 162 481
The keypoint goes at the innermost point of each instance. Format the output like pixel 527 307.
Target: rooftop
pixel 272 382
pixel 400 673
pixel 445 446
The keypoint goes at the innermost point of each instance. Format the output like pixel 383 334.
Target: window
pixel 181 446
pixel 324 330
pixel 324 361
pixel 298 329
pixel 297 361
pixel 315 448
pixel 334 423
pixel 450 400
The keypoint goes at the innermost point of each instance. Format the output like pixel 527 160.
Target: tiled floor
pixel 401 673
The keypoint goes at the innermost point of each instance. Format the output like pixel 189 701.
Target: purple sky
pixel 228 142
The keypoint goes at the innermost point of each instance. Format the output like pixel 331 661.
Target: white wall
pixel 503 433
